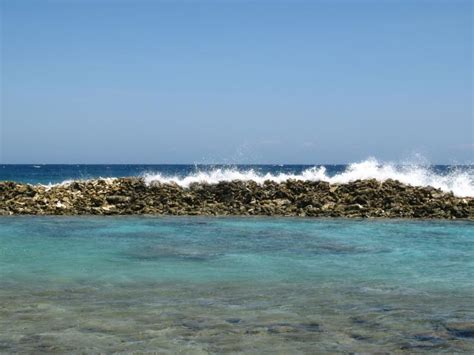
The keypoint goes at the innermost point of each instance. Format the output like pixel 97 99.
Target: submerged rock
pixel 129 196
pixel 158 252
pixel 461 329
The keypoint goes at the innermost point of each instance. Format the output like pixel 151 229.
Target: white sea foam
pixel 458 181
pixel 68 182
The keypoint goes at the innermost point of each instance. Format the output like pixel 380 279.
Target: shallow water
pixel 235 284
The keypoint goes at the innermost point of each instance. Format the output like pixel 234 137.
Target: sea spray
pixel 458 181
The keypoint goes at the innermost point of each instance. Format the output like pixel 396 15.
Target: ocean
pixel 456 178
pixel 224 284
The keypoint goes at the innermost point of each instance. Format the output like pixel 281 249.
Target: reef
pixel 132 196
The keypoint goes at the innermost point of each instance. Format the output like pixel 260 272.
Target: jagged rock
pixel 361 198
pixel 114 199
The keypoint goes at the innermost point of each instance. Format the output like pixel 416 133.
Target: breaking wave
pixel 456 180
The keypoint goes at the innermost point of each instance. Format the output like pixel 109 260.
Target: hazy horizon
pixel 244 164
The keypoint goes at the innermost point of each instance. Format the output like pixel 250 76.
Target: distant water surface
pixel 252 285
pixel 458 179
pixel 51 173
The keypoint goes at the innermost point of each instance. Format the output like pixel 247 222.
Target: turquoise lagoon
pixel 217 285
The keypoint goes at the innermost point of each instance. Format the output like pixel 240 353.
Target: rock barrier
pixel 131 196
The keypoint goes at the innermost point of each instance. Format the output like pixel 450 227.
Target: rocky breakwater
pixel 129 196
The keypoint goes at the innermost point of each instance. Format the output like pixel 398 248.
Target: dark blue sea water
pixel 456 178
pixel 46 174
pixel 220 285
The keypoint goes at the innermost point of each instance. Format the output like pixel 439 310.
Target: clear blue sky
pixel 236 81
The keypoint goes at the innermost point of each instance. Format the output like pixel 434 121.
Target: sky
pixel 297 82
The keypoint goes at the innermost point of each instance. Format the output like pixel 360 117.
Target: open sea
pixel 456 178
pixel 199 285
